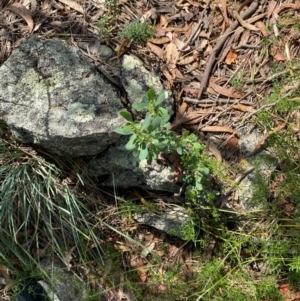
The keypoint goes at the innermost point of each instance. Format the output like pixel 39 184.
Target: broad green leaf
pixel 150 94
pixel 205 170
pixel 131 144
pixel 126 115
pixel 199 186
pixel 155 123
pixel 143 154
pixel 140 105
pixel 197 145
pixel 179 150
pixel 163 113
pixel 161 97
pixel 146 121
pixel 124 130
pixel 145 99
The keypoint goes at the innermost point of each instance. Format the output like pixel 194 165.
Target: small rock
pixel 174 220
pixel 119 168
pixel 136 80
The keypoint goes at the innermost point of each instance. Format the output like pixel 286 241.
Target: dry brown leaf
pixel 136 262
pixel 214 150
pixel 178 29
pixel 216 129
pixel 286 6
pixel 156 50
pixel 68 257
pixel 193 67
pixel 73 5
pixel 181 45
pixel 5 272
pixel 244 23
pixel 177 74
pixel 231 57
pixel 186 60
pixel 277 54
pixel 168 77
pixel 142 273
pixel 21 10
pixel 172 55
pixel 226 92
pixel 262 28
pixel 271 7
pixel 150 14
pixel 159 41
pixel 243 108
pixel 163 22
pixel 182 108
pixel 122 46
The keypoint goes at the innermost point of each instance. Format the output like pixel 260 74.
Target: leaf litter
pixel 200 48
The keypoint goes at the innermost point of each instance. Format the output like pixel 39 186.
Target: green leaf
pixel 126 115
pixel 163 113
pixel 199 186
pixel 161 97
pixel 179 150
pixel 145 99
pixel 124 130
pixel 140 105
pixel 150 94
pixel 146 121
pixel 143 154
pixel 131 144
pixel 205 170
pixel 197 145
pixel 155 123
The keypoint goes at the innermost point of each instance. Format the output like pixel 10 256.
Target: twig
pixel 198 26
pixel 211 61
pixel 213 101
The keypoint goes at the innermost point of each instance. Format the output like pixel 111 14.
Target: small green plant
pixel 137 31
pixel 152 136
pixel 107 23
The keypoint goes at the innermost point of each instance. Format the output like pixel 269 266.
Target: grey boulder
pixel 52 96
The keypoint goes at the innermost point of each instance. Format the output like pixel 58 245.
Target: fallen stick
pixel 212 59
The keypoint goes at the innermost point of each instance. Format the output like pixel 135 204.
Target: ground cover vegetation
pixel 226 74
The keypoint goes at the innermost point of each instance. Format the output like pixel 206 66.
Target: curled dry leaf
pixel 21 10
